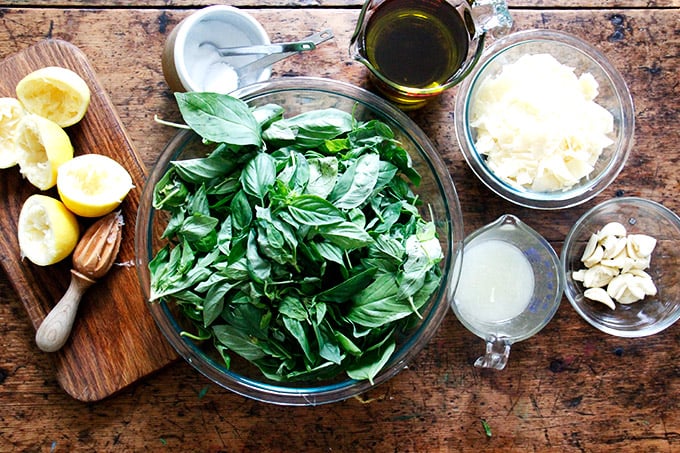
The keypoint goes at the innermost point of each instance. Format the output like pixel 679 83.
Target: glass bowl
pixel 613 96
pixel 439 201
pixel 652 314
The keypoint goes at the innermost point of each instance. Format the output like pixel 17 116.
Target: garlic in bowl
pixel 634 239
pixel 544 120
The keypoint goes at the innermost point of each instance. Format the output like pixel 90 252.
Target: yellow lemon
pixel 93 185
pixel 11 112
pixel 48 232
pixel 42 147
pixel 55 93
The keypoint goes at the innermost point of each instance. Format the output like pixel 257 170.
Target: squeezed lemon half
pixel 42 147
pixel 92 185
pixel 11 113
pixel 47 231
pixel 55 93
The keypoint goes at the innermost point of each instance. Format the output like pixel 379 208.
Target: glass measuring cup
pixel 416 49
pixel 510 286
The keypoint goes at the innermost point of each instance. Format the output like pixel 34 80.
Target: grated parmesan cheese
pixel 538 124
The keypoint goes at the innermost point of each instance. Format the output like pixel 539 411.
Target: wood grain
pixel 568 389
pixel 114 341
pixel 186 4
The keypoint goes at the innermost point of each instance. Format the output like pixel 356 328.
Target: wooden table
pixel 570 388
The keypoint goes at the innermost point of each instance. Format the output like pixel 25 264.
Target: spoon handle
pixel 268 60
pixel 56 327
pixel 265 49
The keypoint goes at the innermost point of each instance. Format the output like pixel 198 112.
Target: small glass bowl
pixel 654 313
pixel 436 190
pixel 613 96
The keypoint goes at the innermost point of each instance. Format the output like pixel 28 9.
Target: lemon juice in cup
pixel 510 286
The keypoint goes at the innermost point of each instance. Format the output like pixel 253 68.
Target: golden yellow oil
pixel 416 43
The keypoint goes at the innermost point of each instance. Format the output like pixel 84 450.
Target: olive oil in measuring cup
pixel 416 43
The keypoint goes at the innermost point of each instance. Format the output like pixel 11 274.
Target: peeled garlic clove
pixel 618 285
pixel 613 246
pixel 595 257
pixel 635 286
pixel 644 281
pixel 578 275
pixel 628 297
pixel 590 247
pixel 613 229
pixel 599 276
pixel 649 287
pixel 599 295
pixel 640 263
pixel 640 245
pixel 627 264
pixel 617 261
pixel 640 273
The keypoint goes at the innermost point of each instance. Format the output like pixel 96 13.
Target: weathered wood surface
pixel 340 3
pixel 570 388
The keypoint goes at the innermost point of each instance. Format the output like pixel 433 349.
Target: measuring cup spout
pixel 492 17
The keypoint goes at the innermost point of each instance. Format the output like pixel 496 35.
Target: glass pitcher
pixel 510 286
pixel 416 49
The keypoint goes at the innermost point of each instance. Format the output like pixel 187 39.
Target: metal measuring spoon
pixel 267 49
pixel 226 74
pixel 258 65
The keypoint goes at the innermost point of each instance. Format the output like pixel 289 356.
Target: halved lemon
pixel 42 147
pixel 55 93
pixel 48 232
pixel 11 112
pixel 92 185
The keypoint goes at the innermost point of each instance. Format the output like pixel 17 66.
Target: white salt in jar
pixel 189 64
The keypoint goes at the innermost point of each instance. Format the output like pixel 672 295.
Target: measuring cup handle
pixel 492 17
pixel 496 355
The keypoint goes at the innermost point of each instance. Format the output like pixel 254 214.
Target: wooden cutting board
pixel 114 340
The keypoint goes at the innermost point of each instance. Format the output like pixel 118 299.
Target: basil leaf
pixel 297 329
pixel 292 307
pixel 238 342
pixel 314 210
pixel 197 226
pixel 357 183
pixel 201 169
pixel 214 302
pixel 169 192
pixel 219 118
pixel 310 129
pixel 328 347
pixel 259 175
pixel 372 363
pixel 323 173
pixel 259 269
pixel 379 303
pixel 266 114
pixel 241 213
pixel 344 291
pixel 346 235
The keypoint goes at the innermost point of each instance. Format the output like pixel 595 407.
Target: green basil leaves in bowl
pixel 296 243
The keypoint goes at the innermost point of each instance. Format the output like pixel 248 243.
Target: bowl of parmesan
pixel 545 120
